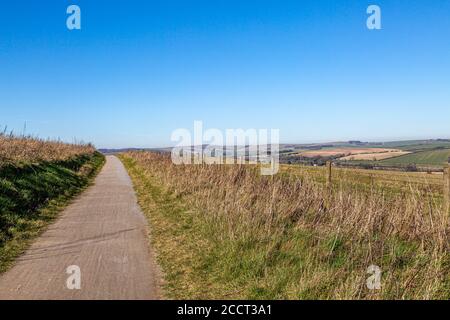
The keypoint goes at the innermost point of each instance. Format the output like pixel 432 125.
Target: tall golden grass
pixel 24 149
pixel 406 234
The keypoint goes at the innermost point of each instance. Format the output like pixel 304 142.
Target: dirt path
pixel 104 233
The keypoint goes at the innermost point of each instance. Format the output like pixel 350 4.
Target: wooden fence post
pixel 329 173
pixel 447 189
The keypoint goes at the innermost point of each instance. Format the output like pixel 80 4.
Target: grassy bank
pixel 32 193
pixel 226 232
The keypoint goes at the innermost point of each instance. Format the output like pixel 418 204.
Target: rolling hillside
pixel 434 158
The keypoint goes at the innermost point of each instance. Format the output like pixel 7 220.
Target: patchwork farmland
pixel 423 155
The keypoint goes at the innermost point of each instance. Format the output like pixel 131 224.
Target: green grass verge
pixel 178 236
pixel 31 196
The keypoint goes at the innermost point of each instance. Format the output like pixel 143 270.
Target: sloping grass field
pixel 437 158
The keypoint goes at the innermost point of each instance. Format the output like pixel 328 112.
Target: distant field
pixel 420 145
pixel 375 156
pixel 329 152
pixel 421 155
pixel 432 158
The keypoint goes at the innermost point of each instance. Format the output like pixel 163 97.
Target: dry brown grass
pixel 15 149
pixel 291 237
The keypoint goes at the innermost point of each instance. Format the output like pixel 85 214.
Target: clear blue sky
pixel 140 69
